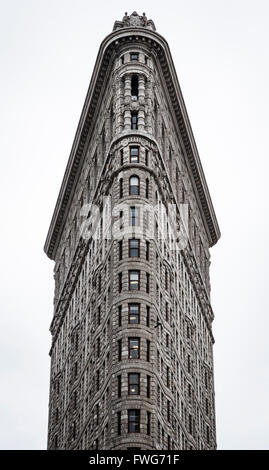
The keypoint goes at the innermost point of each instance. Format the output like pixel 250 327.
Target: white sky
pixel 47 53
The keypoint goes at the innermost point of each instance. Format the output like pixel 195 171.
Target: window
pixel 148 386
pixel 133 420
pixel 120 282
pixel 133 384
pixel 134 154
pixel 134 185
pixel 134 248
pixel 121 157
pixel 147 157
pixel 146 60
pixel 168 377
pixel 119 422
pixel 147 188
pixel 147 282
pixel 134 56
pixel 122 59
pixel 120 314
pixel 148 422
pixel 134 216
pixel 119 349
pixel 147 251
pixel 120 250
pixel 148 315
pixel 134 313
pixel 148 350
pixel 134 348
pixel 134 280
pixel 134 88
pixel 121 220
pixel 121 188
pixel 134 120
pixel 119 386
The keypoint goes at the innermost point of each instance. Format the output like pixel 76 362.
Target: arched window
pixel 134 185
pixel 134 88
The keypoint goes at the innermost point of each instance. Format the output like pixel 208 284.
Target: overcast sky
pixel 47 53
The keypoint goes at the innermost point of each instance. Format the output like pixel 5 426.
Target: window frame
pixel 134 421
pixel 134 189
pixel 130 349
pixel 138 280
pixel 129 313
pixel 137 249
pixel 137 157
pixel 130 384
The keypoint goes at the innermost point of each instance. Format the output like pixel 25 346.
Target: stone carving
pixel 134 20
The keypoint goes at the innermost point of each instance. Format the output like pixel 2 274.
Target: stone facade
pixel 132 343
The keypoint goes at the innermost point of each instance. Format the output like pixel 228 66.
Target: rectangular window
pixel 119 386
pixel 120 314
pixel 120 250
pixel 148 423
pixel 147 189
pixel 133 384
pixel 148 386
pixel 168 411
pixel 121 157
pixel 134 120
pixel 147 251
pixel 134 348
pixel 148 350
pixel 134 313
pixel 121 188
pixel 133 420
pixel 134 154
pixel 121 220
pixel 120 282
pixel 134 248
pixel 134 56
pixel 119 422
pixel 119 349
pixel 134 216
pixel 147 283
pixel 147 157
pixel 148 316
pixel 134 280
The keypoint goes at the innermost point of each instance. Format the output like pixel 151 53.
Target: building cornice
pixel 108 47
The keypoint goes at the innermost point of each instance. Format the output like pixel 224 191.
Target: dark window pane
pixel 134 313
pixel 133 384
pixel 133 420
pixel 134 348
pixel 134 247
pixel 134 56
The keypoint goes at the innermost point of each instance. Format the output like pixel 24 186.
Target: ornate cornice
pixel 108 48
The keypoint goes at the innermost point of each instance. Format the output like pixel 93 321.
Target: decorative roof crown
pixel 134 20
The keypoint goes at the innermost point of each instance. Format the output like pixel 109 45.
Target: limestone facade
pixel 132 343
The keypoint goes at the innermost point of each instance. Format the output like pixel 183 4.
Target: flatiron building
pixel 132 342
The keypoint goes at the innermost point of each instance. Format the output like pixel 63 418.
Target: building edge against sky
pixel 132 343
